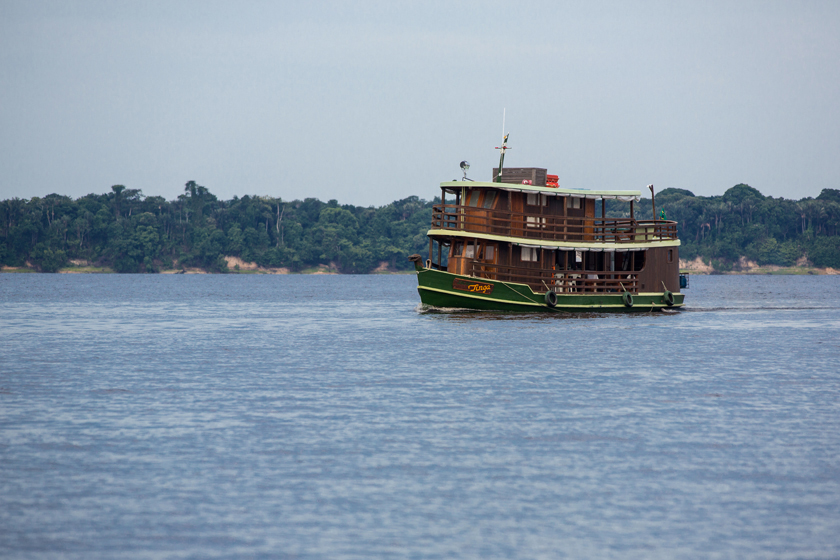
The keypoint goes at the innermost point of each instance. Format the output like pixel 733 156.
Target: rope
pixel 519 293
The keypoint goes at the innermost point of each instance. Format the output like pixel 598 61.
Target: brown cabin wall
pixel 515 175
pixel 576 212
pixel 517 202
pixel 589 207
pixel 457 265
pixel 657 270
pixel 505 254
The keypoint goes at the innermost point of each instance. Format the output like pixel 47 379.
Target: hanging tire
pixel 550 298
pixel 627 298
pixel 669 298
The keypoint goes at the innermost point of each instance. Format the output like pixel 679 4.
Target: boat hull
pixel 444 289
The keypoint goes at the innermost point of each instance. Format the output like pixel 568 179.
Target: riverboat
pixel 521 243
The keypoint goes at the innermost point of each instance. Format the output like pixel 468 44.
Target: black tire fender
pixel 668 296
pixel 627 298
pixel 550 298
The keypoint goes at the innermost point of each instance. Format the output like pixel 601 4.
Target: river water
pixel 231 416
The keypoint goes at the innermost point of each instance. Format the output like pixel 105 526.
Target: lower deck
pixel 563 271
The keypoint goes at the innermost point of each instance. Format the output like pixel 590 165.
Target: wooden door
pixel 487 254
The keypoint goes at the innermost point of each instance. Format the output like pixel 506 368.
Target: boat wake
pixel 423 309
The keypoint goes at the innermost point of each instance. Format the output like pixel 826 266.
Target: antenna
pixel 502 148
pixel 503 121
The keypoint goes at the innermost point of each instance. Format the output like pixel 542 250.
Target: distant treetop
pixel 831 195
pixel 739 193
pixel 675 192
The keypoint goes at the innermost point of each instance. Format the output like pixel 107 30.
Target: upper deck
pixel 546 216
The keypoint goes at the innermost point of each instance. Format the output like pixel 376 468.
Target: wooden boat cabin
pixel 526 230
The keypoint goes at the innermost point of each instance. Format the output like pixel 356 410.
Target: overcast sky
pixel 369 102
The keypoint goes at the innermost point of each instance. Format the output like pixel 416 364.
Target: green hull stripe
pixel 573 244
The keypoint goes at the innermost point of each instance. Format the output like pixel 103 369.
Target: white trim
pixel 584 249
pixel 623 195
pixel 639 245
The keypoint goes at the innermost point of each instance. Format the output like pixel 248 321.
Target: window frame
pixel 491 196
pixel 473 197
pixel 533 255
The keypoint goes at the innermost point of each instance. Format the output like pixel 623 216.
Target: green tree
pixel 117 190
pixel 48 259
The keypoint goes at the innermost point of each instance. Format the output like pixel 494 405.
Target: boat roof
pixel 626 196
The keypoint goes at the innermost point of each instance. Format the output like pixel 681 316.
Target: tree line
pixel 129 232
pixel 744 223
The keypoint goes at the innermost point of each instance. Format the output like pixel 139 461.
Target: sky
pixel 370 102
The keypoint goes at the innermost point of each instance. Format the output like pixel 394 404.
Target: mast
pixel 503 148
pixel 652 202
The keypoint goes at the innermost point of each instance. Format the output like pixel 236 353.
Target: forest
pixel 744 223
pixel 125 231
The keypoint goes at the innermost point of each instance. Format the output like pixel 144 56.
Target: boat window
pixel 489 199
pixel 670 255
pixel 529 254
pixel 457 249
pixel 572 202
pixel 489 253
pixel 470 253
pixel 473 197
pixel 625 261
pixel 536 199
pixel 639 260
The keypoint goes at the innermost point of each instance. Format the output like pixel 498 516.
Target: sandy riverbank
pixel 745 266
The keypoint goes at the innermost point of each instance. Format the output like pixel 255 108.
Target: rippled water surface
pixel 330 417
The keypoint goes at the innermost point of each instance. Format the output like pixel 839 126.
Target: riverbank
pixel 235 265
pixel 777 270
pixel 745 266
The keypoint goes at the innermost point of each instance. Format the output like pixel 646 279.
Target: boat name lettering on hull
pixel 473 287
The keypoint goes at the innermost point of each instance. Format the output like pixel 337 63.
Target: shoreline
pixel 107 270
pixel 753 271
pixel 745 266
pixel 766 271
pixel 235 265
